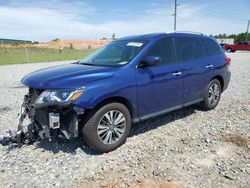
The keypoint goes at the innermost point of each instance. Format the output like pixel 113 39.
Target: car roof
pixel 153 36
pixel 143 37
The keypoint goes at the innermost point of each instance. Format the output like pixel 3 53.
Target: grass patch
pixel 35 54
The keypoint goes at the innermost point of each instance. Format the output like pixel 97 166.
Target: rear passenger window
pixel 211 47
pixel 188 49
pixel 164 49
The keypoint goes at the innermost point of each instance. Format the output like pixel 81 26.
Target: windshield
pixel 116 53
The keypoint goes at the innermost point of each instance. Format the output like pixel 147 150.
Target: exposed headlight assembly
pixel 58 96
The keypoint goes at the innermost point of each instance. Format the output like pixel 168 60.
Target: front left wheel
pixel 108 128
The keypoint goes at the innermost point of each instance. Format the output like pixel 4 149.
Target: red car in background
pixel 238 46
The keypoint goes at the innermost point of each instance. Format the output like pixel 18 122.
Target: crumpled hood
pixel 67 76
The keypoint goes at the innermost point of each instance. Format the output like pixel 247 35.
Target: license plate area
pixel 54 120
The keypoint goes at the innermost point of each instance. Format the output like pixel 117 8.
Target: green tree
pixel 56 39
pixel 113 36
pixel 240 37
pixel 237 37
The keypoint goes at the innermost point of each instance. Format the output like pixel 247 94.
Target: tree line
pixel 237 37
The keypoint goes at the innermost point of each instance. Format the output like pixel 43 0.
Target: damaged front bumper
pixel 47 120
pixel 54 120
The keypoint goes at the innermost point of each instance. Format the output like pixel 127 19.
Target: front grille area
pixel 42 116
pixel 34 94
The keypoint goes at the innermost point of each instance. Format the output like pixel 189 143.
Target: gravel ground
pixel 190 147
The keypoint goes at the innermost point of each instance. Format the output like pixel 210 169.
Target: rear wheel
pixel 212 95
pixel 229 50
pixel 108 128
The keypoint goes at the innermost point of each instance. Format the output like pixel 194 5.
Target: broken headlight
pixel 59 96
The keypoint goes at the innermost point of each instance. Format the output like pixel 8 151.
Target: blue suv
pixel 126 81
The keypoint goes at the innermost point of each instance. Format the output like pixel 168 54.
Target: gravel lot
pixel 189 147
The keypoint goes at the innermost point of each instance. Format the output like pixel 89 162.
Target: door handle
pixel 209 66
pixel 177 73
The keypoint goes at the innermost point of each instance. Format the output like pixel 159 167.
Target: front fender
pixel 122 84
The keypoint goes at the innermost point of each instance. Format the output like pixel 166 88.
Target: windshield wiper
pixel 87 64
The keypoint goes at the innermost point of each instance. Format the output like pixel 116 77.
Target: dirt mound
pixel 237 139
pixel 76 44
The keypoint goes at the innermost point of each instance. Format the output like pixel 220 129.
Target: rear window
pixel 211 47
pixel 188 49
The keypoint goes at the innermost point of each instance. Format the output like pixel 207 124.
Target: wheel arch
pixel 118 99
pixel 220 78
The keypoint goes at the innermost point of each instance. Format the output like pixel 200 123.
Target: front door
pixel 160 88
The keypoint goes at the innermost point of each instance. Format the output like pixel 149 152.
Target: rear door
pixel 192 57
pixel 215 59
pixel 160 88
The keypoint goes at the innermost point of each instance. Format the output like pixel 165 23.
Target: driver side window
pixel 164 49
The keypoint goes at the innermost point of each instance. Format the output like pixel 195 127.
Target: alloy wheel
pixel 213 94
pixel 111 127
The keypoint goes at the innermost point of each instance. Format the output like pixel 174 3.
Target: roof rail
pixel 190 32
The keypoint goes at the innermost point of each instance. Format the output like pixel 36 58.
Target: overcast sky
pixel 94 19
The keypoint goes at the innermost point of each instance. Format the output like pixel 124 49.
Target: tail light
pixel 228 60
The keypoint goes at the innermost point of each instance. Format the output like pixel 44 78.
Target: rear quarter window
pixel 210 46
pixel 188 48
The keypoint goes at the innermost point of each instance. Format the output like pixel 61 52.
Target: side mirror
pixel 150 61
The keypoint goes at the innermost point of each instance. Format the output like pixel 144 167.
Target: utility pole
pixel 247 29
pixel 175 13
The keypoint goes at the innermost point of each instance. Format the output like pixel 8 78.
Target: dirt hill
pixel 76 44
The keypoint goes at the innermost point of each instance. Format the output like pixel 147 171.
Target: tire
pixel 212 95
pixel 229 50
pixel 104 134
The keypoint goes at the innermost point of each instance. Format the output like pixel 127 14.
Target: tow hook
pixel 19 137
